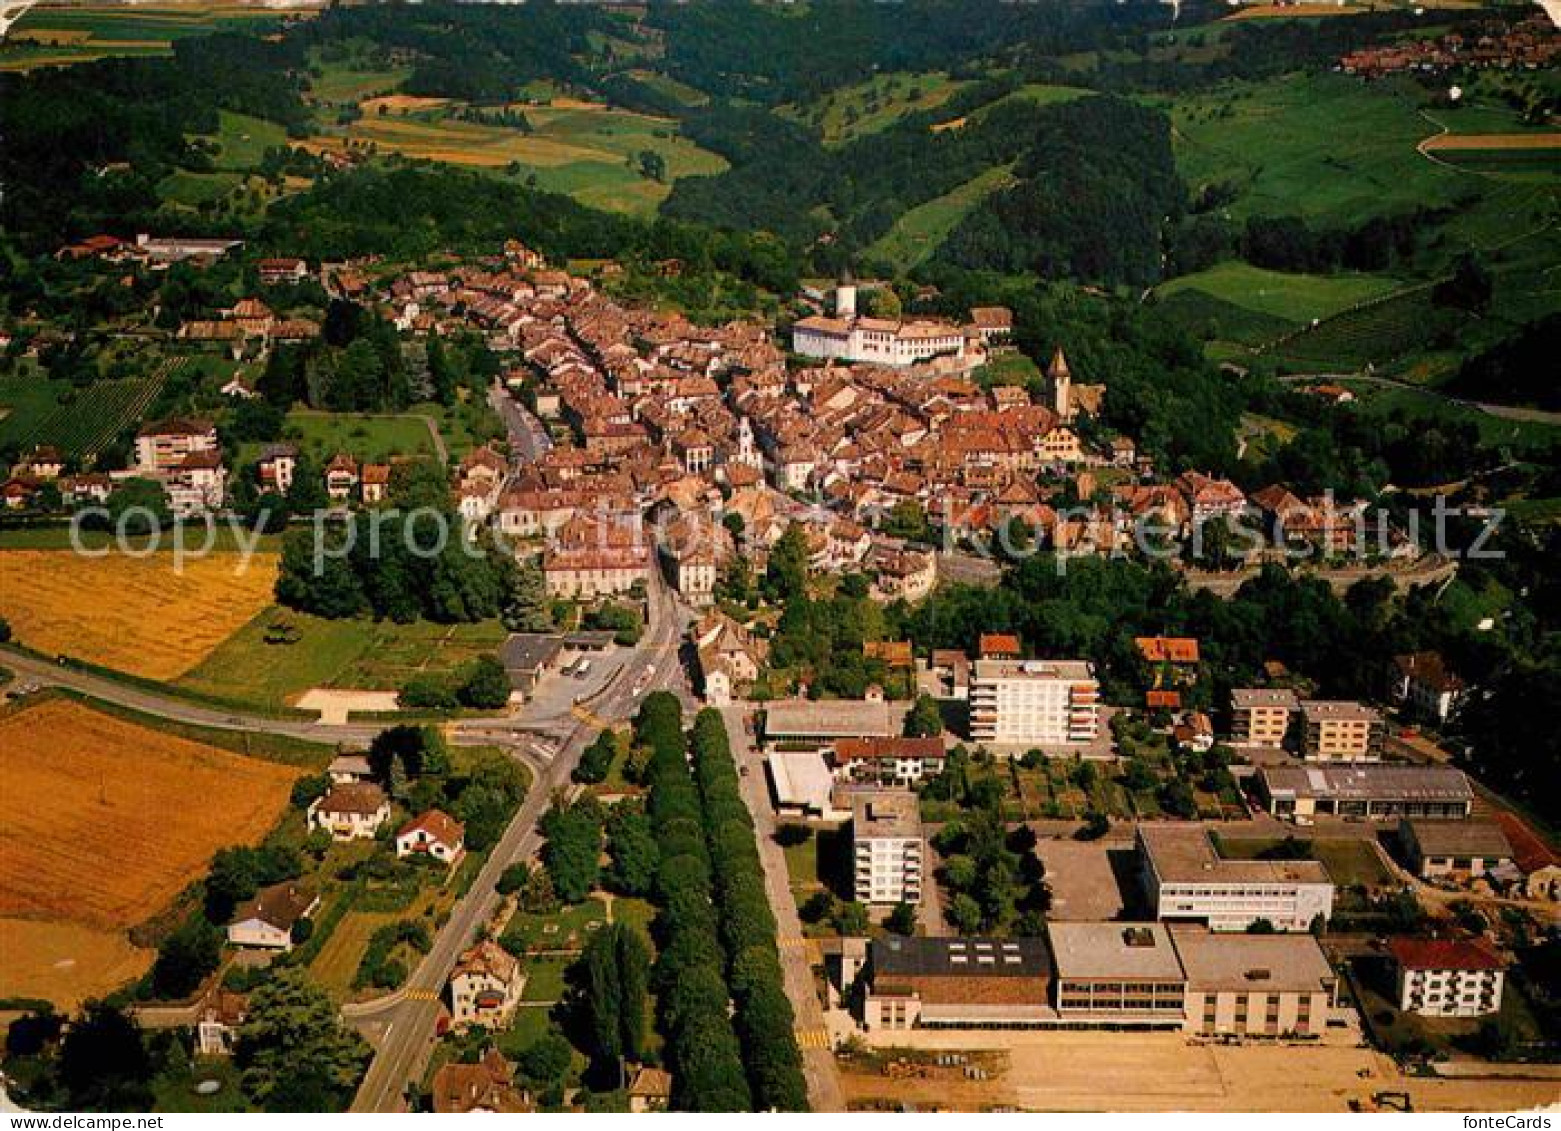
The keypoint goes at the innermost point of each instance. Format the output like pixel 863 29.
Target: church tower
pixel 845 295
pixel 1061 381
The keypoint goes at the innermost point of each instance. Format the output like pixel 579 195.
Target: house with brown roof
pixel 282 271
pixel 1424 682
pixel 486 1086
pixel 341 477
pixel 1534 858
pixel 650 1090
pixel 350 811
pixel 219 1017
pixel 267 920
pixel 434 834
pixel 375 484
pixel 485 986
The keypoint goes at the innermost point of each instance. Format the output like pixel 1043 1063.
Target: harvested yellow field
pixel 106 821
pixel 51 36
pixel 65 963
pixel 1495 141
pixel 139 615
pixel 402 104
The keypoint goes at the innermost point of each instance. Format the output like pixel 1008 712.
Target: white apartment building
pixel 1188 881
pixel 886 848
pixel 1447 977
pixel 1034 702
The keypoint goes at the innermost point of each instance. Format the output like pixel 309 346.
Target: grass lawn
pixel 359 653
pixel 344 84
pixel 195 189
pixel 367 437
pixel 1010 368
pixel 174 1090
pixel 530 1024
pixel 637 913
pixel 671 87
pixel 545 978
pixel 917 233
pixel 802 867
pixel 1350 863
pixel 337 963
pixel 242 140
pixel 564 930
pixel 1293 298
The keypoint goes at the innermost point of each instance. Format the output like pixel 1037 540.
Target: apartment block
pixel 1340 731
pixel 1187 880
pixel 1034 703
pixel 1447 977
pixel 886 848
pixel 1261 716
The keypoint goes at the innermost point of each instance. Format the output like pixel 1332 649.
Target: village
pixel 1264 865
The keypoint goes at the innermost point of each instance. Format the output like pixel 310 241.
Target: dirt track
pixel 1088 1071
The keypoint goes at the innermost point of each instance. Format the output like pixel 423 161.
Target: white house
pixel 267 920
pixel 435 834
pixel 351 811
pixel 485 986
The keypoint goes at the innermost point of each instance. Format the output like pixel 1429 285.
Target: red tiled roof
pixel 1443 954
pixel 1000 644
pixel 1529 850
pixel 1172 649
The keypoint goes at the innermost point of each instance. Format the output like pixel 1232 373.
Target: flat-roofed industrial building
pixel 1381 792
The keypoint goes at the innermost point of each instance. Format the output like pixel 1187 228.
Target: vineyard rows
pixel 98 413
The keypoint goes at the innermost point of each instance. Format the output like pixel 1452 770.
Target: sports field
pixel 147 616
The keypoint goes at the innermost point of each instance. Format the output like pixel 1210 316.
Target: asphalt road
pixel 528 439
pixel 406 1027
pixel 464 732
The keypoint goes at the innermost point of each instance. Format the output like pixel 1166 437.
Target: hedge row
pixel 691 994
pixel 765 1021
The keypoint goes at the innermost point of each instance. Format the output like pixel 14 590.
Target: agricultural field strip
pixel 160 623
pixel 84 787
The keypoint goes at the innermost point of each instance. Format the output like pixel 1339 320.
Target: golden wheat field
pixel 136 615
pixel 105 821
pixel 65 963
